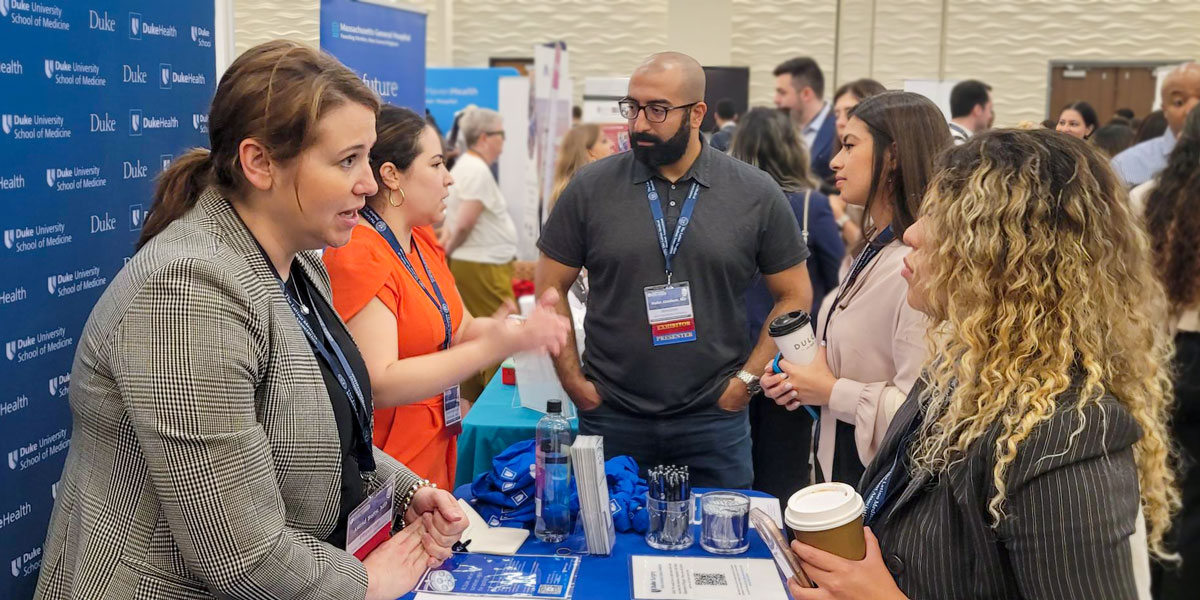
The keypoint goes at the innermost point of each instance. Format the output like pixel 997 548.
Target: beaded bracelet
pixel 409 496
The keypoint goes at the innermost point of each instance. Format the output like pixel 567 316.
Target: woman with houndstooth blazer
pixel 222 413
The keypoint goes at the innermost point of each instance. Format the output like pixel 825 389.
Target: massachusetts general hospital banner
pixel 96 98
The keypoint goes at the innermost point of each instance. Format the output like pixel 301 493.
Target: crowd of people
pixel 1009 337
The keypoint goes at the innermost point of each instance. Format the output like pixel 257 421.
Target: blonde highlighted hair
pixel 572 156
pixel 1046 285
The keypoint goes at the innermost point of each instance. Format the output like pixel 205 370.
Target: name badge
pixel 452 409
pixel 370 524
pixel 669 309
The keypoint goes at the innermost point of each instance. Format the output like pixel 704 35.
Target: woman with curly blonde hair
pixel 1020 461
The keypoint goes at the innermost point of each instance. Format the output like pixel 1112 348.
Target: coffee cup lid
pixel 787 323
pixel 823 506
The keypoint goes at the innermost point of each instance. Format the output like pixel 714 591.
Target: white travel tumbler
pixel 793 335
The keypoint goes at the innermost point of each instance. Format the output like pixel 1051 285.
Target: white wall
pixel 1007 43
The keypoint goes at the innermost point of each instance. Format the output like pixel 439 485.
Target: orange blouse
pixel 366 268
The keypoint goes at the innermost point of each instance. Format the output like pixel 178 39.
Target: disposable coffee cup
pixel 793 335
pixel 828 516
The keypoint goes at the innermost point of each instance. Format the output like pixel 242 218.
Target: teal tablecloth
pixel 495 422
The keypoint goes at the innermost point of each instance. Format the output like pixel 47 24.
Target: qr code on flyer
pixel 709 579
pixel 547 589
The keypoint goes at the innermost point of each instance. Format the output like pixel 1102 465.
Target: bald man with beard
pixel 671 234
pixel 1180 93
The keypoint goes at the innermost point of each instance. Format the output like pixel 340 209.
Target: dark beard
pixel 662 152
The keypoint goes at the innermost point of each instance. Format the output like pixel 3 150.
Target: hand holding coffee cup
pixel 799 375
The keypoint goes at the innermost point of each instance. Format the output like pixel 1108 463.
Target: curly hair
pixel 1173 218
pixel 1036 250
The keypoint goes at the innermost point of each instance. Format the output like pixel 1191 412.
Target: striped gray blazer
pixel 1071 508
pixel 205 459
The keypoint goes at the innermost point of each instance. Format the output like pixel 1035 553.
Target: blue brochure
pixel 503 576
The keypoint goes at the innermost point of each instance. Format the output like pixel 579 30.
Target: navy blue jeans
pixel 712 443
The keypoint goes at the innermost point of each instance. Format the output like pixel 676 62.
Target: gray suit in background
pixel 205 460
pixel 1069 513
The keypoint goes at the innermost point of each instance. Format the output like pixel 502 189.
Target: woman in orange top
pixel 392 287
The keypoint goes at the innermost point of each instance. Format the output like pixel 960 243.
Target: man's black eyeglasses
pixel 655 113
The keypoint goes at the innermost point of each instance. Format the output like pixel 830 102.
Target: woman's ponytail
pixel 177 190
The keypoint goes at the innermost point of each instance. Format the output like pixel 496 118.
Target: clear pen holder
pixel 670 523
pixel 724 522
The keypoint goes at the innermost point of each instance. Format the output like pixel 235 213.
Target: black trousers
pixel 781 443
pixel 1183 581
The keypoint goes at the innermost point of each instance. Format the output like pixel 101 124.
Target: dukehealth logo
pixel 27 127
pixel 169 76
pixel 139 27
pixel 165 161
pixel 14 295
pixel 202 36
pixel 200 122
pixel 139 122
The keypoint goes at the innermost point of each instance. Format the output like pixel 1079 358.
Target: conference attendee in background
pixel 971 109
pixel 800 91
pixel 872 341
pixel 1154 125
pixel 1172 218
pixel 582 145
pixel 479 235
pixel 1124 113
pixel 221 409
pixel 671 388
pixel 726 118
pixel 1077 119
pixel 1180 93
pixel 576 115
pixel 845 98
pixel 1022 463
pixel 1113 138
pixel 781 438
pixel 402 307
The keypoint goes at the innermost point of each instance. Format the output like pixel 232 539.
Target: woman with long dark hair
pixel 392 286
pixel 872 344
pixel 766 139
pixel 1078 119
pixel 1173 220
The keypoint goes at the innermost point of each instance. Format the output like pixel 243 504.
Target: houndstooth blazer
pixel 205 459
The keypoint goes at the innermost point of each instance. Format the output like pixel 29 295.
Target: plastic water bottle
pixel 553 475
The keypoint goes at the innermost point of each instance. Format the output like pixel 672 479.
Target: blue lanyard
pixel 884 491
pixel 660 222
pixel 340 368
pixel 874 247
pixel 439 301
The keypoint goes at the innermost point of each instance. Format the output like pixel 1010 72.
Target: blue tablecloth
pixel 607 577
pixel 496 421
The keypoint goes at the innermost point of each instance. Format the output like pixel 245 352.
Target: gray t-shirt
pixel 742 224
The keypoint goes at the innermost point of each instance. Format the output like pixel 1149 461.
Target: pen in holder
pixel 669 505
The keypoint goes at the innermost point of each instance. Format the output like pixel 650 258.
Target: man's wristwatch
pixel 751 382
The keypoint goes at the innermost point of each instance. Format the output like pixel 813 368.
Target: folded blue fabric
pixel 504 496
